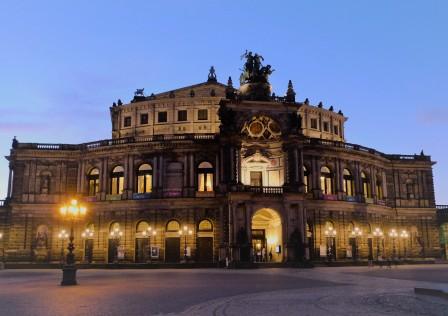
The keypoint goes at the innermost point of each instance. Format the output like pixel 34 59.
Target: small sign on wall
pixel 323 250
pixel 120 252
pixel 155 252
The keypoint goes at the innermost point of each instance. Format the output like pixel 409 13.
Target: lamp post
pixel 72 211
pixel 356 233
pixel 115 235
pixel 378 234
pixel 86 235
pixel 185 232
pixel 330 235
pixel 63 235
pixel 2 262
pixel 404 235
pixel 393 234
pixel 148 233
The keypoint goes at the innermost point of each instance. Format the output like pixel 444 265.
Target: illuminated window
pixel 181 115
pixel 306 179
pixel 205 226
pixel 348 183
pixel 366 190
pixel 127 121
pixel 172 226
pixel 326 180
pixel 117 180
pixel 144 179
pixel 144 119
pixel 162 117
pixel 205 177
pixel 93 181
pixel 202 115
pixel 379 189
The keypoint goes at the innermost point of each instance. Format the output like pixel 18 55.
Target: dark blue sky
pixel 384 63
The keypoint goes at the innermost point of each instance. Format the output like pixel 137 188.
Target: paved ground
pixel 319 291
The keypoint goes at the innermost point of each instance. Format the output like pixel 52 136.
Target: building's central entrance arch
pixel 267 236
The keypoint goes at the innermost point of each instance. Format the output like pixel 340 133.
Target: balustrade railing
pixel 185 137
pixel 442 207
pixel 264 190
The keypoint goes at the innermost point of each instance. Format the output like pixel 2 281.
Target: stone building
pixel 209 172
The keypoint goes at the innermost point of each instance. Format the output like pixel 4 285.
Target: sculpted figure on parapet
pixel 254 71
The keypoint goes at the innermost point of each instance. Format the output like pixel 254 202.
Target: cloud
pixel 433 116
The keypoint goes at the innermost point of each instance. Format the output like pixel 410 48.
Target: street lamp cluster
pixel 185 232
pixel 73 211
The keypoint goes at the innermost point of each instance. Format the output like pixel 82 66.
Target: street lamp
pixel 378 234
pixel 404 235
pixel 2 262
pixel 393 234
pixel 115 235
pixel 72 211
pixel 185 232
pixel 330 235
pixel 148 233
pixel 63 235
pixel 356 233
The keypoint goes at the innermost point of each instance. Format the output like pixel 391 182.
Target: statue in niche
pixel 42 237
pixel 45 184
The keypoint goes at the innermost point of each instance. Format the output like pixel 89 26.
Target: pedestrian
pixel 270 255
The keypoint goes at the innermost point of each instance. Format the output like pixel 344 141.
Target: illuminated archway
pixel 267 235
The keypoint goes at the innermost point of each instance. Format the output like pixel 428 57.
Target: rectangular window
pixel 202 115
pixel 117 185
pixel 144 119
pixel 314 123
pixel 127 121
pixel 182 115
pixel 256 178
pixel 162 117
pixel 205 182
pixel 326 127
pixel 336 129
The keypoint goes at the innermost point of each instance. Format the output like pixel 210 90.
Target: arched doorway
pixel 267 241
pixel 172 241
pixel 205 241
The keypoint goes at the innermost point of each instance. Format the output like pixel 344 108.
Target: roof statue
pixel 254 79
pixel 212 75
pixel 139 92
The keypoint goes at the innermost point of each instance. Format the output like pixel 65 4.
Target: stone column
pixel 9 192
pixel 131 176
pixel 301 173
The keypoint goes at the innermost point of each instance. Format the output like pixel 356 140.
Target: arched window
pixel 117 180
pixel 379 188
pixel 326 180
pixel 306 179
pixel 366 189
pixel 93 179
pixel 348 182
pixel 205 177
pixel 114 227
pixel 172 226
pixel 205 226
pixel 144 178
pixel 409 189
pixel 142 226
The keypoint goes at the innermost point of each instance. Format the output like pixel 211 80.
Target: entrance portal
pixel 267 236
pixel 172 249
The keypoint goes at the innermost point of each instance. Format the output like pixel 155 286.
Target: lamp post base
pixel 69 275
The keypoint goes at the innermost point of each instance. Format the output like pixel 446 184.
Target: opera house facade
pixel 217 174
